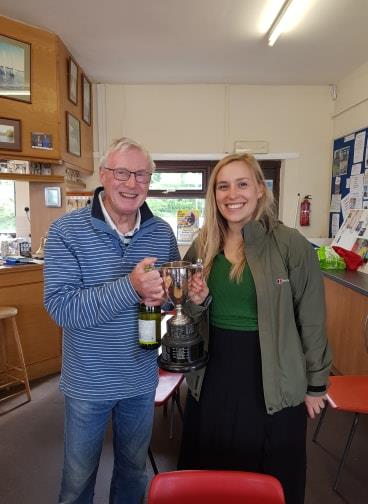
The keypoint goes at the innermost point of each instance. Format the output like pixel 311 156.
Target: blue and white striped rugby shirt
pixel 89 294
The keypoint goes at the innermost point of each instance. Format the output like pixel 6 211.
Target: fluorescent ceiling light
pixel 288 16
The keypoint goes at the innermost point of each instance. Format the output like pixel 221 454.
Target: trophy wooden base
pixel 182 367
pixel 182 349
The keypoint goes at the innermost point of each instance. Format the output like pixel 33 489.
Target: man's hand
pixel 314 404
pixel 148 284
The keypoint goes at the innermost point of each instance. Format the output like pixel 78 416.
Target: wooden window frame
pixel 203 167
pixel 271 169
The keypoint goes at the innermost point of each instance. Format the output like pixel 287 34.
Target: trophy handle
pixel 197 266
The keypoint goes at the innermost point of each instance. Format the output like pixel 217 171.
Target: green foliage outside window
pixel 7 206
pixel 167 208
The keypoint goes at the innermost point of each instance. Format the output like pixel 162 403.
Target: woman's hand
pixel 198 290
pixel 314 404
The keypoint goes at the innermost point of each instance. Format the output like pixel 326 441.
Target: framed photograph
pixel 15 69
pixel 41 141
pixel 72 81
pixel 10 134
pixel 53 197
pixel 87 100
pixel 73 135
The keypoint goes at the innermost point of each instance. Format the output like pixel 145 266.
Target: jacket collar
pixel 254 232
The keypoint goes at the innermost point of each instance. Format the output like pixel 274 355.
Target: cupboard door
pixel 347 328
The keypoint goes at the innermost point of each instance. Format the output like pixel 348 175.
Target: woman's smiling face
pixel 237 193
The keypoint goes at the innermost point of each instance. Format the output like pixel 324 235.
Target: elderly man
pixel 95 277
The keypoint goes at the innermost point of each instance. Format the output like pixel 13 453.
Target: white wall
pixel 210 118
pixel 351 106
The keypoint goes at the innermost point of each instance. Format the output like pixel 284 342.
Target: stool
pixel 13 374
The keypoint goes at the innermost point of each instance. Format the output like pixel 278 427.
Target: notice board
pixel 349 187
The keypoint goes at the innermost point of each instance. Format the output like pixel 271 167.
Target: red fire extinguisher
pixel 305 210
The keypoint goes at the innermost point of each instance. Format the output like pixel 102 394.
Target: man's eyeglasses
pixel 122 174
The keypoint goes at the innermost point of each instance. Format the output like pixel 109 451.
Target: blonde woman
pixel 261 304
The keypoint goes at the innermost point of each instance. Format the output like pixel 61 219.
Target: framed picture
pixel 86 94
pixel 15 69
pixel 41 141
pixel 52 197
pixel 73 135
pixel 72 81
pixel 10 134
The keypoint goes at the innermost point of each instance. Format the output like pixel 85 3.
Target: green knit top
pixel 234 305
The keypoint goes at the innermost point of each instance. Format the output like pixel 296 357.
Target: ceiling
pixel 201 41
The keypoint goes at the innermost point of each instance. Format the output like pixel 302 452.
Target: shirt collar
pixel 111 223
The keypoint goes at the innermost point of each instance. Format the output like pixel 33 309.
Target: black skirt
pixel 224 430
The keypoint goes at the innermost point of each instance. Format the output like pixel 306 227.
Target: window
pixel 180 186
pixel 7 207
pixel 177 181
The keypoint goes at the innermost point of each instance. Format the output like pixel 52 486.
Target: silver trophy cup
pixel 182 345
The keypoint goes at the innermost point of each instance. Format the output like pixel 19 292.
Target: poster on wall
pixel 187 225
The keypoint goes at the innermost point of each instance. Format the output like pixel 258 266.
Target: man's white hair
pixel 123 144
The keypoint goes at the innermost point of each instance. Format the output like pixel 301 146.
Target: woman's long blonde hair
pixel 212 236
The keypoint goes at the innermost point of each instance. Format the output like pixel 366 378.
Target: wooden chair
pixel 215 487
pixel 168 388
pixel 12 373
pixel 346 393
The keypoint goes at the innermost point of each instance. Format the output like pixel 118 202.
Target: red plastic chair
pixel 346 393
pixel 215 487
pixel 168 387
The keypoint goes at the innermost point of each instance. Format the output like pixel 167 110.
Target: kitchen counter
pixel 21 286
pixel 346 295
pixel 352 279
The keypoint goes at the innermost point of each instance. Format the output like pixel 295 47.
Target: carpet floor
pixel 31 452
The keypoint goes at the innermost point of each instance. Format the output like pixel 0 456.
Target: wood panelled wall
pixel 86 160
pixel 43 113
pixel 47 111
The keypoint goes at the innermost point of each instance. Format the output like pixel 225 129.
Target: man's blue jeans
pixel 84 431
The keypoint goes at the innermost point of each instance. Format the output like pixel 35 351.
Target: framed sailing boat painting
pixel 15 69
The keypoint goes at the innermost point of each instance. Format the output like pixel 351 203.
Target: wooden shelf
pixel 79 193
pixel 77 168
pixel 36 159
pixel 32 178
pixel 75 185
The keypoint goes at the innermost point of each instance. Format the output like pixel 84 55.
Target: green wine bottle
pixel 149 326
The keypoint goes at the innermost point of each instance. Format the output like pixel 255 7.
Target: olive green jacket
pixel 291 315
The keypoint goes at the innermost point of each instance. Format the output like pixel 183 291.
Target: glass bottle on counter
pixel 149 326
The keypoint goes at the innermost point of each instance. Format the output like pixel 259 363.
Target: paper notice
pixel 345 206
pixel 335 203
pixel 356 169
pixel 349 138
pixel 359 147
pixel 335 224
pixel 356 184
